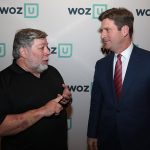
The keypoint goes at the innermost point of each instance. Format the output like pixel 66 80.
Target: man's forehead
pixel 41 41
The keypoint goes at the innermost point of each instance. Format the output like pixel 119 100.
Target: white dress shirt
pixel 125 60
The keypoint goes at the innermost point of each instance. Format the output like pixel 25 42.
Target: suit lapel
pixel 130 72
pixel 109 74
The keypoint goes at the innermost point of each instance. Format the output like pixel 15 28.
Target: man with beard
pixel 31 115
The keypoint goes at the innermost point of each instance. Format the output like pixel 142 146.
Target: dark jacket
pixel 129 120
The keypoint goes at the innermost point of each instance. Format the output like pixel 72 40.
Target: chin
pixel 42 68
pixel 106 46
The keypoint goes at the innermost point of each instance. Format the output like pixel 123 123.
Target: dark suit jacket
pixel 128 121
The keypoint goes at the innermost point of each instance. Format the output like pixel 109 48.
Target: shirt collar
pixel 127 52
pixel 17 68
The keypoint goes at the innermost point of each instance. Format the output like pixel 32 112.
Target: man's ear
pixel 23 52
pixel 125 30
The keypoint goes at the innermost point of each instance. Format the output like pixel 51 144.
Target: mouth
pixel 105 42
pixel 45 62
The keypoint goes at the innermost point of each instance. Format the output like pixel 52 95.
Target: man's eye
pixel 41 48
pixel 108 30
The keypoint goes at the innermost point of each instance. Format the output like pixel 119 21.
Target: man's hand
pixel 92 144
pixel 66 92
pixel 52 107
pixel 67 96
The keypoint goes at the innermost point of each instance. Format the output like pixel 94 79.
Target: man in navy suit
pixel 120 123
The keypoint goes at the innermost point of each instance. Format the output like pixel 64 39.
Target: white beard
pixel 41 68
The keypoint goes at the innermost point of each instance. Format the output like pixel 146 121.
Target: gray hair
pixel 24 38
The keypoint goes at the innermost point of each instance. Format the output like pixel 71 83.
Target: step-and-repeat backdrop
pixel 72 27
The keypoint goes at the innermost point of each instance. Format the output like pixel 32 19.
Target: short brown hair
pixel 120 16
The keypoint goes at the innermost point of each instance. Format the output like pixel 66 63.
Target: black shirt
pixel 20 91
